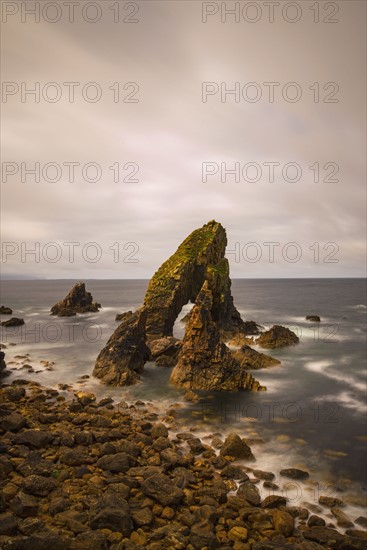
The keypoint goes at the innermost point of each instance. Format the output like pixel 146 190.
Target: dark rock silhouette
pixel 5 310
pixel 249 358
pixel 13 322
pixel 313 318
pixel 3 372
pixel 78 300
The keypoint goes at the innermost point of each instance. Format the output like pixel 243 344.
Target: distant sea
pixel 313 414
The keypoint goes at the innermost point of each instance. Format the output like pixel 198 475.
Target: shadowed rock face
pixel 3 372
pixel 77 301
pixel 204 361
pixel 122 359
pixel 196 272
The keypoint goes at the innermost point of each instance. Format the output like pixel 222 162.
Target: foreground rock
pixel 277 337
pixel 165 350
pixel 78 300
pixel 84 475
pixel 249 359
pixel 13 322
pixel 5 310
pixel 121 361
pixel 204 361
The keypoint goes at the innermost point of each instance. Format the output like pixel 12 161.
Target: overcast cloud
pixel 170 132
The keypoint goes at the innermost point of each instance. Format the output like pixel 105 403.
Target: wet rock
pixel 361 520
pixel 250 492
pixel 202 536
pixel 159 430
pixel 323 535
pixel 274 501
pixel 250 359
pixel 196 446
pixel 13 322
pixel 78 300
pixel 316 521
pixel 3 372
pixel 121 361
pixel 75 457
pixel 238 534
pixel 283 522
pixel 236 447
pixel 118 462
pixel 161 488
pixel 294 473
pixel 342 519
pixel 34 438
pixel 234 472
pixel 111 512
pixel 5 310
pixel 260 474
pixel 277 337
pixel 38 485
pixel 191 396
pixel 13 422
pixel 331 502
pixel 313 318
pixel 8 524
pixel 24 506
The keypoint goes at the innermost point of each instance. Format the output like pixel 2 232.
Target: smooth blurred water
pixel 314 412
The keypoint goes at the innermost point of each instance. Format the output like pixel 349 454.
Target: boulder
pixel 250 492
pixel 277 337
pixel 313 318
pixel 250 359
pixel 78 300
pixel 111 512
pixel 161 488
pixel 3 372
pixel 13 322
pixel 5 310
pixel 121 361
pixel 236 447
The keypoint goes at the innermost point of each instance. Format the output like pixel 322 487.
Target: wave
pixel 322 367
pixel 347 400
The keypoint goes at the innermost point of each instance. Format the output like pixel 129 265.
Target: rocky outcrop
pixel 204 361
pixel 121 361
pixel 198 266
pixel 78 300
pixel 249 358
pixel 277 337
pixel 13 322
pixel 5 310
pixel 179 279
pixel 313 318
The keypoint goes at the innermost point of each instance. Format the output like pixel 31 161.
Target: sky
pixel 161 145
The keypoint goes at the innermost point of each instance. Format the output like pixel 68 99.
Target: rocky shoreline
pixel 80 474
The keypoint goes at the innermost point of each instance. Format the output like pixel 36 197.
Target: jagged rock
pixel 249 358
pixel 236 447
pixel 277 337
pixel 121 361
pixel 5 310
pixel 204 361
pixel 78 300
pixel 13 322
pixel 313 318
pixel 180 278
pixel 342 519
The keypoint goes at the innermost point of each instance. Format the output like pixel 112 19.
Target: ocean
pixel 313 414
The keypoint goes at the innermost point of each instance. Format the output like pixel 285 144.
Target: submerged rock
pixel 13 322
pixel 313 318
pixel 5 310
pixel 78 300
pixel 204 361
pixel 249 358
pixel 277 337
pixel 121 361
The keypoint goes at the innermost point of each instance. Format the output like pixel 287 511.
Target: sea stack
pixel 78 300
pixel 197 272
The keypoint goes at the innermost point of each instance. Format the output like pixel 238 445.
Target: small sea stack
pixel 78 300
